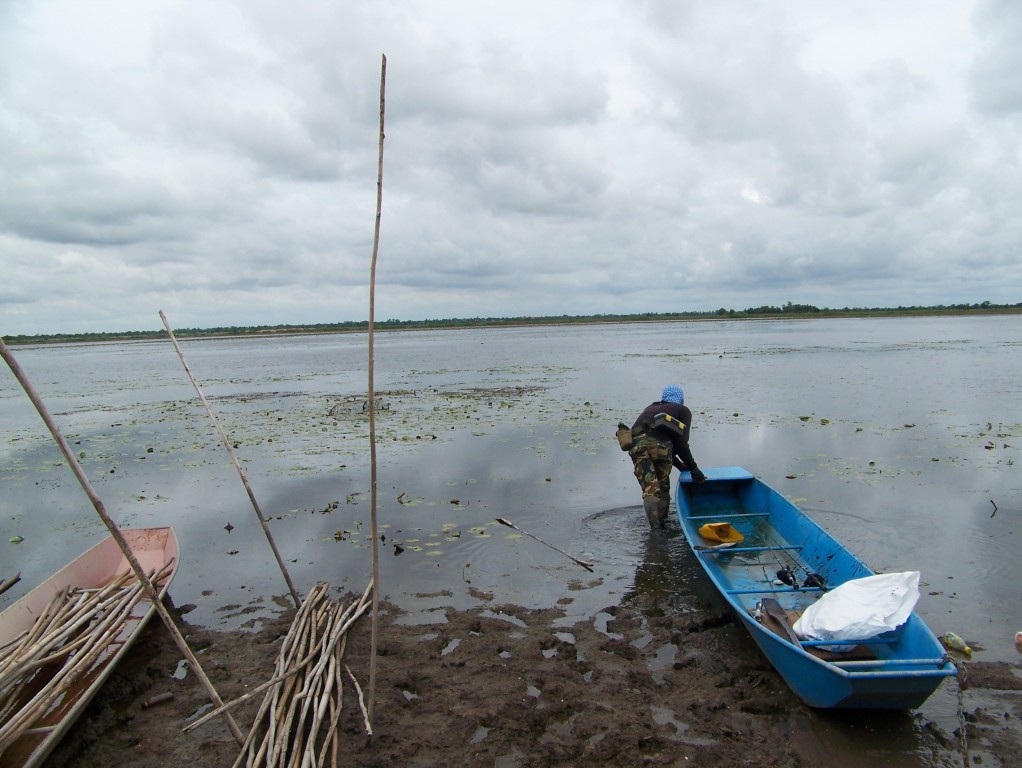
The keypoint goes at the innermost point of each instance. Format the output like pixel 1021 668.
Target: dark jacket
pixel 679 443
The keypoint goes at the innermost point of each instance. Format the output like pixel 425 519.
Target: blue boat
pixel 763 577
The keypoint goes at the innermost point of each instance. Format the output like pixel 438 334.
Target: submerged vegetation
pixel 788 310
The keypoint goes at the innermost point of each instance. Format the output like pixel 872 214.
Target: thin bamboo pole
pixel 237 464
pixel 115 532
pixel 372 399
pixel 588 566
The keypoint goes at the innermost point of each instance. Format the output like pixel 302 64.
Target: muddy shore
pixel 505 686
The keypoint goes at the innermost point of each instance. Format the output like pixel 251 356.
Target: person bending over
pixel 658 442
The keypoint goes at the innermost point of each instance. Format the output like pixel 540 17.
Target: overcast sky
pixel 218 160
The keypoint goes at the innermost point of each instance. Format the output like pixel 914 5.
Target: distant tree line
pixel 788 310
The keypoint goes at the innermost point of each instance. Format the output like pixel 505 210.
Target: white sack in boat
pixel 860 609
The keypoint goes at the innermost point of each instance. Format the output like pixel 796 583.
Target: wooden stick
pixel 361 702
pixel 583 563
pixel 279 678
pixel 53 630
pixel 115 532
pixel 54 643
pixel 335 743
pixel 42 731
pixel 160 698
pixel 300 636
pixel 318 710
pixel 18 668
pixel 331 742
pixel 298 718
pixel 303 705
pixel 372 398
pixel 105 631
pixel 56 605
pixel 106 618
pixel 251 694
pixel 31 636
pixel 237 464
pixel 5 585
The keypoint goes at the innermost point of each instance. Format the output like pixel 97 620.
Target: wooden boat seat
pixel 857 652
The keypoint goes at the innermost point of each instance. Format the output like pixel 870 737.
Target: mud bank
pixel 505 686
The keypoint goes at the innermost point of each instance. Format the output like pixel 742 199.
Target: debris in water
pixel 955 643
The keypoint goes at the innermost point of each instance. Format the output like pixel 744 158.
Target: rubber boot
pixel 652 506
pixel 664 509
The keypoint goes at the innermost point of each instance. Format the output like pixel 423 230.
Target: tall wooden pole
pixel 237 465
pixel 115 532
pixel 372 402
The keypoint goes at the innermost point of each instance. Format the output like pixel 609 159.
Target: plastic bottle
pixel 955 643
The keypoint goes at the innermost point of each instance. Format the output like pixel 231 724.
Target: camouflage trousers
pixel 651 457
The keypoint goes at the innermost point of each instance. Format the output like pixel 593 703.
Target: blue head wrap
pixel 673 394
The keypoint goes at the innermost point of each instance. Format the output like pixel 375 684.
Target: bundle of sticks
pixel 297 722
pixel 41 666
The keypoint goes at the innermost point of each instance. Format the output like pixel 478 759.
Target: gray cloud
pixel 996 76
pixel 541 158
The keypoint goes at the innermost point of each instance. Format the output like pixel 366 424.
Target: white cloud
pixel 219 161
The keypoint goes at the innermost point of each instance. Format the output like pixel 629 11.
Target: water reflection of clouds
pixel 869 487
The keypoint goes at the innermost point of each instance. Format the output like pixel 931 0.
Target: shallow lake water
pixel 900 436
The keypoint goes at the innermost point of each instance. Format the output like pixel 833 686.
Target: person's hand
pixel 698 476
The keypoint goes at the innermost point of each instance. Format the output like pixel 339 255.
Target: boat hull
pixel 897 670
pixel 153 548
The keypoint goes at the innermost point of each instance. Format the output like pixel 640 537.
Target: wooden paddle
pixel 773 610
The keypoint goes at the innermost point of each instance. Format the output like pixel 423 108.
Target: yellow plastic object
pixel 954 643
pixel 721 532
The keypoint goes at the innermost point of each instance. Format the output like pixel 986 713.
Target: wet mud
pixel 500 685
